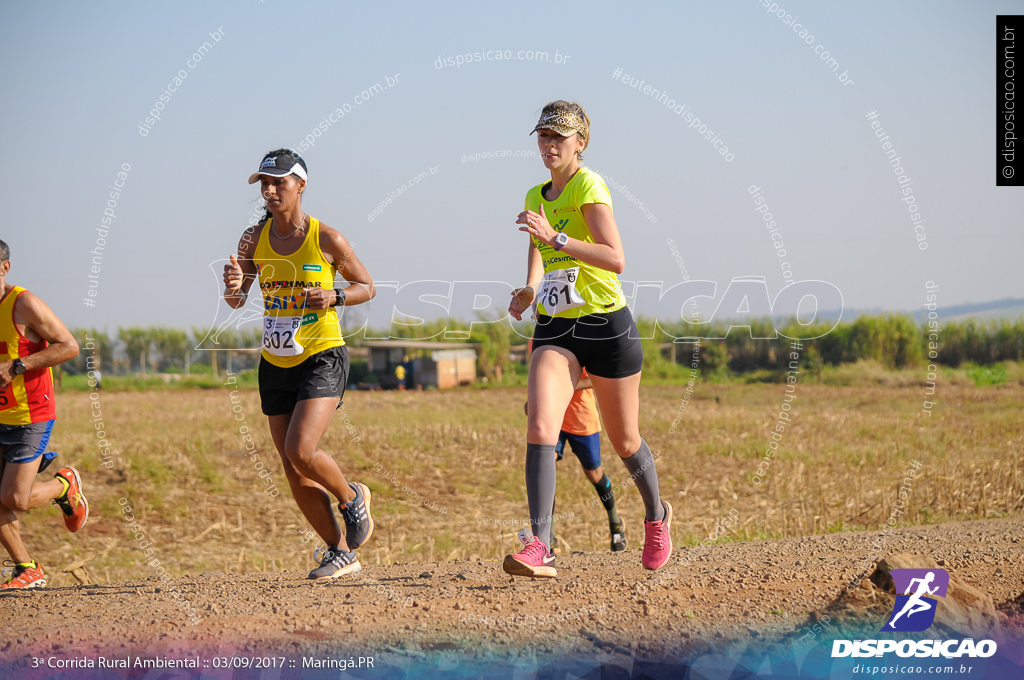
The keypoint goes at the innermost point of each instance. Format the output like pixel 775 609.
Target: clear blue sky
pixel 78 79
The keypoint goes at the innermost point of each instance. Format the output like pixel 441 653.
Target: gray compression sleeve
pixel 540 488
pixel 641 468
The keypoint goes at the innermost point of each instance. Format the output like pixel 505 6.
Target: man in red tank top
pixel 32 339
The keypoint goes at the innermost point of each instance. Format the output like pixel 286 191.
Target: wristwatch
pixel 560 241
pixel 19 367
pixel 339 297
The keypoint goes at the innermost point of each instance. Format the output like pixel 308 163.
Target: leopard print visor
pixel 563 122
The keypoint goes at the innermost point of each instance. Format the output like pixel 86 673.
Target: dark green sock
pixel 553 540
pixel 607 496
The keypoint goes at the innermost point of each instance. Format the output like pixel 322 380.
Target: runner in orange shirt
pixel 581 427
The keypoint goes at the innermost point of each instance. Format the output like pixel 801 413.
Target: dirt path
pixel 601 606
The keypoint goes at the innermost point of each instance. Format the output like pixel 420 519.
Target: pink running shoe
pixel 534 560
pixel 657 541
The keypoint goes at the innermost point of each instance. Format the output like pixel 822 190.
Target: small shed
pixel 439 364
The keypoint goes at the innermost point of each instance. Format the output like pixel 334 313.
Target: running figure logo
pixel 914 610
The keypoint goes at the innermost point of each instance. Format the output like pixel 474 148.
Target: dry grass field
pixel 446 472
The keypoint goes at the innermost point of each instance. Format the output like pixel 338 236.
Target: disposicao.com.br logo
pixel 914 611
pixel 916 606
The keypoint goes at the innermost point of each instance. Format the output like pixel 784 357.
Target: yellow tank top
pixel 29 397
pixel 571 288
pixel 292 333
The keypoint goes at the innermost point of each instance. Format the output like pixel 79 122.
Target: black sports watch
pixel 339 295
pixel 19 367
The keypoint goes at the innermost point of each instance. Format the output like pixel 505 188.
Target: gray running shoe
pixel 335 562
pixel 358 523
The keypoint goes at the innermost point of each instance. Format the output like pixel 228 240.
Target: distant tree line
pixel 895 341
pixel 158 349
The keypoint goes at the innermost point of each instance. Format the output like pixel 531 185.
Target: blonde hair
pixel 573 107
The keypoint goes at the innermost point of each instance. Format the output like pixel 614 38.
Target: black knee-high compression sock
pixel 641 468
pixel 603 487
pixel 540 488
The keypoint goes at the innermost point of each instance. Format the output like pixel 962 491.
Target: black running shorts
pixel 607 345
pixel 322 375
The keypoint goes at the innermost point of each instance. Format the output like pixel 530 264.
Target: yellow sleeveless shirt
pixel 292 333
pixel 29 397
